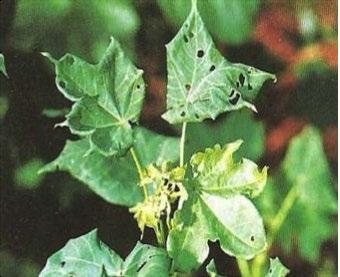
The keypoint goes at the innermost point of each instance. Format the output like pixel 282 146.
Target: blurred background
pixel 295 39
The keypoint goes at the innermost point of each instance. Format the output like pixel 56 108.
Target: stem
pixel 182 144
pixel 274 227
pixel 243 267
pixel 139 169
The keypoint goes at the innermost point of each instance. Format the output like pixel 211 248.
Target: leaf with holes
pixel 115 178
pixel 201 83
pixel 108 98
pixel 2 65
pixel 277 269
pixel 88 256
pixel 215 206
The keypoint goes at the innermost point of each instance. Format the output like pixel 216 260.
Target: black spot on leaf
pixel 252 238
pixel 183 113
pixel 241 78
pixel 188 87
pixel 191 34
pixel 186 40
pixel 62 264
pixel 138 86
pixel 200 53
pixel 197 116
pixel 62 84
pixel 212 68
pixel 141 266
pixel 250 87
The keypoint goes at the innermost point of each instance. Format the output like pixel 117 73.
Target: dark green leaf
pixel 201 83
pixel 306 167
pixel 277 269
pixel 115 179
pixel 109 98
pixel 2 65
pixel 214 214
pixel 88 256
pixel 237 125
pixel 229 21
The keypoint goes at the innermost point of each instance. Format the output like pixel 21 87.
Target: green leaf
pixel 237 125
pixel 306 167
pixel 88 256
pixel 89 25
pixel 211 269
pixel 2 65
pixel 215 207
pixel 277 269
pixel 201 83
pixel 114 178
pixel 229 21
pixel 27 176
pixel 109 98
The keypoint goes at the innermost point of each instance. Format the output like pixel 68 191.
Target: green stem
pixel 182 144
pixel 139 169
pixel 274 227
pixel 243 267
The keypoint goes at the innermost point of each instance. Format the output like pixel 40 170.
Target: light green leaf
pixel 214 209
pixel 88 256
pixel 201 83
pixel 109 98
pixel 211 269
pixel 306 167
pixel 26 176
pixel 217 173
pixel 229 21
pixel 237 125
pixel 277 269
pixel 2 65
pixel 114 179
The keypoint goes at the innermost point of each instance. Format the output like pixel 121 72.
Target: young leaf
pixel 229 21
pixel 2 65
pixel 114 179
pixel 108 98
pixel 201 83
pixel 277 269
pixel 237 125
pixel 215 207
pixel 211 269
pixel 88 256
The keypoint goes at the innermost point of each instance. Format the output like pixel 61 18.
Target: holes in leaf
pixel 270 271
pixel 138 86
pixel 186 40
pixel 197 116
pixel 200 53
pixel 238 84
pixel 62 264
pixel 141 266
pixel 182 113
pixel 187 87
pixel 212 68
pixel 234 97
pixel 252 238
pixel 62 84
pixel 250 87
pixel 241 78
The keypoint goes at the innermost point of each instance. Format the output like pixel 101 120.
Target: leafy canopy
pixel 108 98
pixel 201 83
pixel 88 256
pixel 115 178
pixel 214 208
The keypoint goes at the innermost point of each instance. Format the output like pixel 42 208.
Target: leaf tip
pixel 49 57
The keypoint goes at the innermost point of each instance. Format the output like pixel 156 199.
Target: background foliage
pixel 296 40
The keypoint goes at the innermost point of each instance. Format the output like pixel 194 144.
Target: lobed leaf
pixel 114 178
pixel 277 269
pixel 88 256
pixel 201 83
pixel 108 98
pixel 215 207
